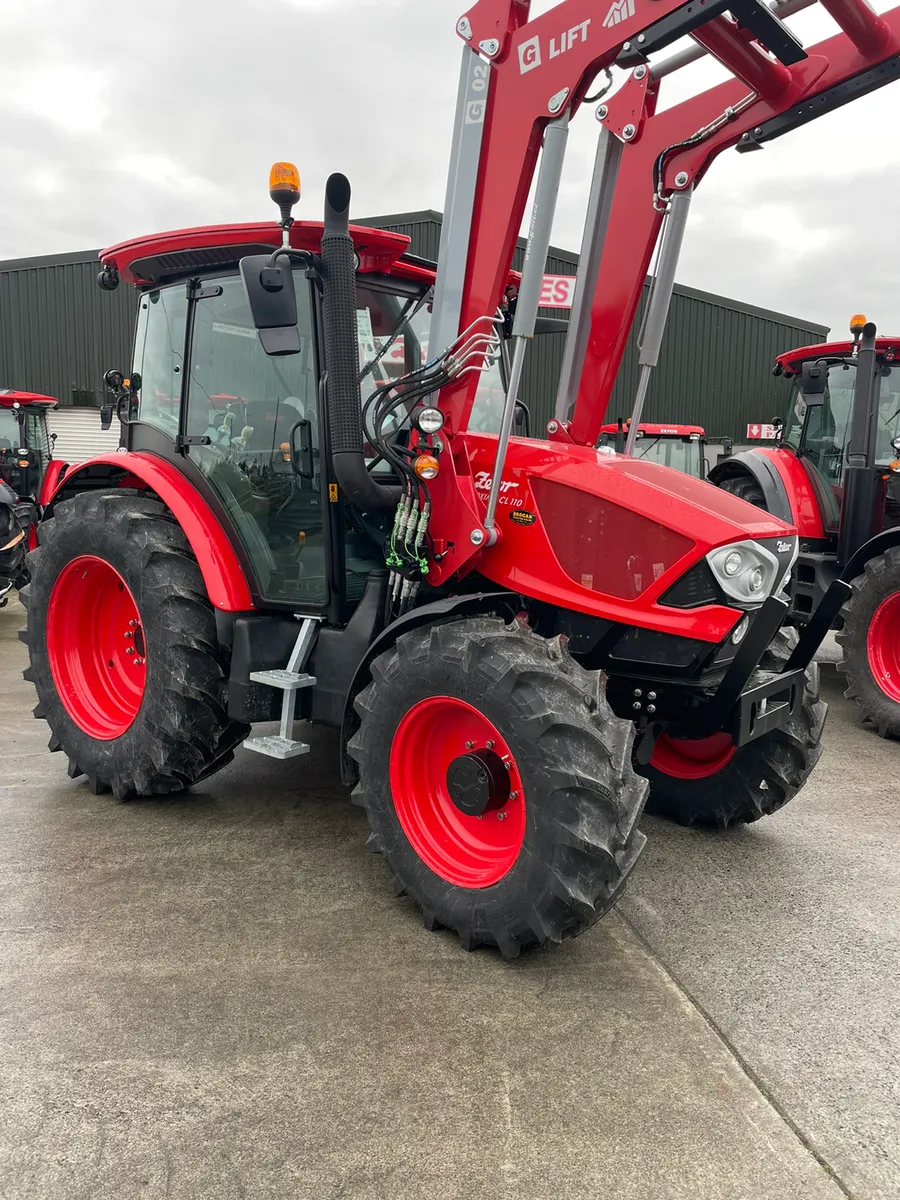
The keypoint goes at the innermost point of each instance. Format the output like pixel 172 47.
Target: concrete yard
pixel 218 997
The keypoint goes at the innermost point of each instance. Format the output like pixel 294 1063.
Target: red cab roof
pixel 162 256
pixel 8 398
pixel 792 360
pixel 661 430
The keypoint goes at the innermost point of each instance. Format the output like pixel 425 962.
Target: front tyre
pixel 497 782
pixel 124 655
pixel 710 782
pixel 870 641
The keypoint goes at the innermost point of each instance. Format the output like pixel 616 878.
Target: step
pixel 286 681
pixel 275 746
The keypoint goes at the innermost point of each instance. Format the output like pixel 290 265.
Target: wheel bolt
pixel 132 624
pixel 636 706
pixel 513 795
pixel 128 633
pixel 501 816
pixel 508 766
pixel 489 745
pixel 470 745
pixel 129 650
pixel 138 662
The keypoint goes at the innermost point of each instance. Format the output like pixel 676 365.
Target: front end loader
pixel 320 513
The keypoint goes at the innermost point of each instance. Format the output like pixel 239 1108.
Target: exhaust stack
pixel 342 354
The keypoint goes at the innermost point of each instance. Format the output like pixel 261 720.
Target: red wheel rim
pixel 95 644
pixel 683 758
pixel 883 646
pixel 470 851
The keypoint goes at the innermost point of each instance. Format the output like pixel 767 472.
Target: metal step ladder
pixel 289 681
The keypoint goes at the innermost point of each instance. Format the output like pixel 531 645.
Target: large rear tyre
pixel 709 782
pixel 497 782
pixel 745 487
pixel 124 655
pixel 870 641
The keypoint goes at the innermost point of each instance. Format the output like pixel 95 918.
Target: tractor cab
pixel 247 428
pixel 818 423
pixel 681 447
pixel 25 442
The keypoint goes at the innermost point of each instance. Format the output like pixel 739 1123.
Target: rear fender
pixel 766 474
pixel 505 604
pixel 226 584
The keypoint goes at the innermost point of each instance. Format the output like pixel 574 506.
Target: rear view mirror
pixel 273 303
pixel 106 415
pixel 814 381
pixel 523 420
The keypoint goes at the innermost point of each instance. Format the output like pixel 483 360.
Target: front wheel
pixel 124 655
pixel 870 641
pixel 709 781
pixel 497 782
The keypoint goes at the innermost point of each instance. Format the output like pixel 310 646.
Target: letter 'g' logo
pixel 529 55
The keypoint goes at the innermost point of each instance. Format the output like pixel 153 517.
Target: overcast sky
pixel 120 119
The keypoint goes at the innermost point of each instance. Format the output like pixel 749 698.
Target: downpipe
pixel 344 410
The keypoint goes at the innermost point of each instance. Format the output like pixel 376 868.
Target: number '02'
pixel 480 77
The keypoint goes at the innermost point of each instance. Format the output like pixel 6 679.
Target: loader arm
pixel 836 71
pixel 520 76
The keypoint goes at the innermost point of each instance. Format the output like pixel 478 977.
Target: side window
pixel 487 411
pixel 159 356
pixel 39 438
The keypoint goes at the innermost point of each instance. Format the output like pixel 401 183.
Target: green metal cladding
pixel 59 332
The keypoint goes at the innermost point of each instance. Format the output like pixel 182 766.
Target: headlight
pixel 429 420
pixel 748 572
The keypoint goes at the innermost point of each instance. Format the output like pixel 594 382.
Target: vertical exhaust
pixel 342 354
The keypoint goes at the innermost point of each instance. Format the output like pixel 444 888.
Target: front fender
pixel 226 584
pixel 505 603
pixel 875 546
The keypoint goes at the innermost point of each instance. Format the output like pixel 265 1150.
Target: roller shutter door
pixel 79 436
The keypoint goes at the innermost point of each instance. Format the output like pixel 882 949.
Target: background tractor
pixel 836 476
pixel 682 447
pixel 25 468
pixel 518 638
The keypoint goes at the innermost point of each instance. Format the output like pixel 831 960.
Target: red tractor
pixel 681 447
pixel 518 639
pixel 25 469
pixel 835 475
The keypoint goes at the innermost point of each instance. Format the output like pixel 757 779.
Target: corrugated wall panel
pixel 58 331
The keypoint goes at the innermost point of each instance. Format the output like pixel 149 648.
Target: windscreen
pixel 680 453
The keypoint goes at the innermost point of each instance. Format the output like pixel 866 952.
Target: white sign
pixel 558 291
pixel 763 433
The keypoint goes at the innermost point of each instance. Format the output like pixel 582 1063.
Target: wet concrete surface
pixel 218 996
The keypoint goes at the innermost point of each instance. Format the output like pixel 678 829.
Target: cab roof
pixel 661 430
pixel 792 360
pixel 9 397
pixel 162 257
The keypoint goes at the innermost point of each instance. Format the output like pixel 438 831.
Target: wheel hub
pixel 477 782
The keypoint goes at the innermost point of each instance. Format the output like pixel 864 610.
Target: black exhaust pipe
pixel 342 355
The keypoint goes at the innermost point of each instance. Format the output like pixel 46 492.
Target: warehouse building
pixel 59 333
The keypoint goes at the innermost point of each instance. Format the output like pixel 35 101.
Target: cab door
pixel 251 426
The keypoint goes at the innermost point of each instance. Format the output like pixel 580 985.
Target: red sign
pixel 558 291
pixel 764 433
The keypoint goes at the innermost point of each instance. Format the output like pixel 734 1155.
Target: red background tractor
pixel 836 476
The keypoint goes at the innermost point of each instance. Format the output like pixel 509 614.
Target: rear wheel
pixel 497 782
pixel 870 641
pixel 709 781
pixel 745 487
pixel 124 654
